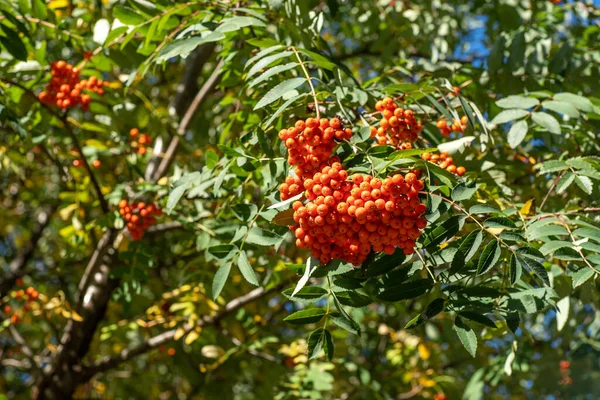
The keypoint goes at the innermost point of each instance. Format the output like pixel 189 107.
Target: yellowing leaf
pixel 76 317
pixel 179 333
pixel 54 4
pixel 424 351
pixel 528 208
pixel 191 337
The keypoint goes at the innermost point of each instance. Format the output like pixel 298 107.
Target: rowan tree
pixel 299 199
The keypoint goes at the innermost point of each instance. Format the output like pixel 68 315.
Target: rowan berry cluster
pixel 397 125
pixel 139 141
pixel 139 216
pixel 309 145
pixel 29 295
pixel 65 89
pixel 346 219
pixel 77 163
pixel 458 126
pixel 444 161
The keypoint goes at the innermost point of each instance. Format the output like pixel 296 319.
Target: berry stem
pixel 308 79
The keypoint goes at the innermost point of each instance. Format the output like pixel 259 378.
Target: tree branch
pixel 185 121
pixel 109 363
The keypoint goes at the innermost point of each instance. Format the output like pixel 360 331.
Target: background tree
pixel 145 235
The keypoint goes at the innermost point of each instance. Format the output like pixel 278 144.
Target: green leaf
pixel 39 9
pixel 128 16
pixel 266 61
pixel 184 47
pixel 385 263
pixel 554 245
pixel 561 108
pixel 496 57
pixel 315 343
pixel 222 251
pixel 470 244
pixel 463 191
pixel 515 269
pixel 318 59
pixel 329 347
pixel 535 267
pixel 281 109
pixel 246 269
pixel 489 257
pixel 353 299
pixel 279 91
pixel 508 115
pixel 483 209
pixel 311 266
pixel 477 317
pixel 175 196
pixel 13 43
pixel 564 182
pixel 530 252
pixel 363 134
pixel 272 71
pixel 590 233
pixel 444 231
pixel 220 278
pixel 433 309
pixel 562 314
pixel 547 122
pixel 245 212
pixel 499 222
pixel 516 56
pixel 262 237
pixel 517 133
pixel 237 22
pixel 466 335
pixel 553 166
pixel 584 183
pixel 582 276
pixel 308 316
pixel 310 293
pixel 521 102
pixel 262 53
pixel 346 323
pixel 407 290
pixel 579 102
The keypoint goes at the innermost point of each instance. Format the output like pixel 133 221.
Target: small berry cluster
pixel 439 396
pixel 444 161
pixel 139 216
pixel 458 126
pixel 139 141
pixel 565 372
pixel 346 219
pixel 397 125
pixel 79 163
pixel 309 145
pixel 30 295
pixel 65 89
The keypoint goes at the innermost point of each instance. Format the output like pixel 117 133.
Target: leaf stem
pixel 308 79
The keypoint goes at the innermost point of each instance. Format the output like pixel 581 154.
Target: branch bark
pixel 109 363
pixel 63 374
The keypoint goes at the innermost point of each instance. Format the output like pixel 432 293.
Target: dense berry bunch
pixel 65 89
pixel 139 216
pixel 139 141
pixel 444 161
pixel 458 126
pixel 397 125
pixel 309 145
pixel 346 219
pixel 29 295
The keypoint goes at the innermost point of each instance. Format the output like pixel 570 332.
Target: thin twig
pixel 551 190
pixel 577 248
pixel 308 79
pixel 185 121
